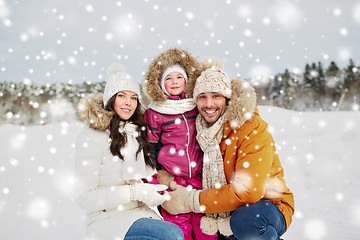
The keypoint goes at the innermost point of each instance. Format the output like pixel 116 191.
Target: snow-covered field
pixel 320 152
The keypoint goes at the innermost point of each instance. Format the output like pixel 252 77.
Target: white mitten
pixel 148 193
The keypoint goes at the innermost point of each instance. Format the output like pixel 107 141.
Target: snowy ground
pixel 320 154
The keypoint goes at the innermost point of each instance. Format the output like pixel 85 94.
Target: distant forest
pixel 317 89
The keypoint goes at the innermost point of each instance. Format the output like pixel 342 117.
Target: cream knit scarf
pixel 209 139
pixel 174 106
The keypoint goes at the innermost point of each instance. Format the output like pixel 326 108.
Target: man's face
pixel 211 106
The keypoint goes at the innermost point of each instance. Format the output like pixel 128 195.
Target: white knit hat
pixel 174 68
pixel 118 81
pixel 213 80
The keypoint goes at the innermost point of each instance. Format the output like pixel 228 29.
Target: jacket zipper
pixel 187 145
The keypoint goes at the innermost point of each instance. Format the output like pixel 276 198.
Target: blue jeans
pixel 153 229
pixel 261 220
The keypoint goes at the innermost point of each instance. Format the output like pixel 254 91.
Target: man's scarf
pixel 209 139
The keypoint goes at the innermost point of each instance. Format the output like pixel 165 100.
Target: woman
pixel 112 159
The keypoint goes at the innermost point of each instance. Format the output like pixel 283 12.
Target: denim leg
pixel 261 220
pixel 153 229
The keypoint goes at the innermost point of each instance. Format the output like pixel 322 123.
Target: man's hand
pixel 164 177
pixel 182 200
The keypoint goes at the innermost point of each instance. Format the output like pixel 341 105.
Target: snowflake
pixel 6 191
pixel 38 208
pixel 246 164
pixel 315 229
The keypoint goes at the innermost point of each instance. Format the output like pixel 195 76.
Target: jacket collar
pixel 166 59
pixel 171 97
pixel 242 104
pixel 90 110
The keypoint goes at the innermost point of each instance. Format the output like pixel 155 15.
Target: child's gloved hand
pixel 148 193
pixel 164 177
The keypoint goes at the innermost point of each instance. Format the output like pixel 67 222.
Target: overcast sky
pixel 72 41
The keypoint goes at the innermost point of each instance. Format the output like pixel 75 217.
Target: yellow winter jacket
pixel 251 164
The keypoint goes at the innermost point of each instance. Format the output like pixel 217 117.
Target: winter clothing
pixel 184 200
pixel 172 131
pixel 180 154
pixel 118 81
pixel 172 107
pixel 103 179
pixel 269 224
pixel 171 119
pixel 166 59
pixel 213 80
pixel 209 139
pixel 152 198
pixel 145 227
pixel 175 68
pixel 251 165
pixel 164 177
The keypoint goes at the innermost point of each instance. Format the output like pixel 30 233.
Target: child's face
pixel 174 83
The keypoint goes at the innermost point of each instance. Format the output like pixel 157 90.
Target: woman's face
pixel 125 104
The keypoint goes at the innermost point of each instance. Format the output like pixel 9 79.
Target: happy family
pixel 197 163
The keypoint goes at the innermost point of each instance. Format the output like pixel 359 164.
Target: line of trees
pixel 316 89
pixel 31 104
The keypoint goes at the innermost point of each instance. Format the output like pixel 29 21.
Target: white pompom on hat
pixel 118 81
pixel 213 79
pixel 174 68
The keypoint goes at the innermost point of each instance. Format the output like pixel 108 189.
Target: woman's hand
pixel 148 193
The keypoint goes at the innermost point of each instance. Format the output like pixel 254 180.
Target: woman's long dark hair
pixel 119 140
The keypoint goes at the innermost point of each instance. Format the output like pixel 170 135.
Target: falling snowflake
pixel 172 150
pixel 315 229
pixel 38 208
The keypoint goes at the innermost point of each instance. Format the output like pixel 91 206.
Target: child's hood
pixel 166 59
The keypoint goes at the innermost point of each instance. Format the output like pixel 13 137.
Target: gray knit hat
pixel 118 81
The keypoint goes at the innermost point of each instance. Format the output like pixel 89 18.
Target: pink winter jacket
pixel 175 136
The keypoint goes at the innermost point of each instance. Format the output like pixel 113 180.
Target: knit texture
pixel 209 139
pixel 213 80
pixel 118 81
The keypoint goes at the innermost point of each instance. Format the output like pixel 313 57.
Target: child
pixel 170 118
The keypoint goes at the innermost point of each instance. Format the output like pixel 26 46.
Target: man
pixel 244 191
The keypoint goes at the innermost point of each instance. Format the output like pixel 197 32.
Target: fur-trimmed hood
pixel 90 110
pixel 242 104
pixel 166 59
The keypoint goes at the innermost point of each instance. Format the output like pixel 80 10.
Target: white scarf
pixel 134 168
pixel 173 107
pixel 209 139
